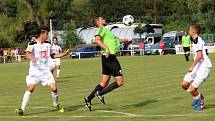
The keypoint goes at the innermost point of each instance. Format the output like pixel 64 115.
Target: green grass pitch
pixel 151 92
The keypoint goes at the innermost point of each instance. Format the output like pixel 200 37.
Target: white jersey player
pixel 56 62
pixel 39 53
pixel 199 71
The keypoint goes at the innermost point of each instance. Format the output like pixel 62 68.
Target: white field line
pixel 124 114
pixel 105 116
pixel 127 114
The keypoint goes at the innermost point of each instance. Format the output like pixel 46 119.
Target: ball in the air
pixel 128 20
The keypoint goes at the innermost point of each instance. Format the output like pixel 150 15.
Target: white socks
pixel 58 72
pixel 55 98
pixel 25 100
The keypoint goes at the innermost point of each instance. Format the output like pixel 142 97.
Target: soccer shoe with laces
pixel 19 111
pixel 87 103
pixel 100 97
pixel 200 106
pixel 57 106
pixel 195 102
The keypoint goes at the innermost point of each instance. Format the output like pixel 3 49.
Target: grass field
pixel 151 92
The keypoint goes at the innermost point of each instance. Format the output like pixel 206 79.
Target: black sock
pixel 111 87
pixel 92 94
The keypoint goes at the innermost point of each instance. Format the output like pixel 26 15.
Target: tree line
pixel 19 18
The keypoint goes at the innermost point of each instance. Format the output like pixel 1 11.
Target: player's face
pixel 102 21
pixel 45 35
pixel 55 41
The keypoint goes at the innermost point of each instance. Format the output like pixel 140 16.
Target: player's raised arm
pixel 61 54
pixel 125 41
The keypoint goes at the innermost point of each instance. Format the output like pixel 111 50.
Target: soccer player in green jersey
pixel 186 45
pixel 109 44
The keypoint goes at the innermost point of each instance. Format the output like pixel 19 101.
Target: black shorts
pixel 111 66
pixel 186 49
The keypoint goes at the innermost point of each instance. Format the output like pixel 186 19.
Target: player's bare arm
pixel 30 56
pixel 102 45
pixel 125 41
pixel 198 58
pixel 62 54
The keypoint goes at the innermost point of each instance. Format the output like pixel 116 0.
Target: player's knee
pixel 53 88
pixel 30 89
pixel 120 83
pixel 193 90
pixel 104 84
pixel 185 85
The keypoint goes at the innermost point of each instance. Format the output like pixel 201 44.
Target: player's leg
pixel 58 68
pixel 188 78
pixel 31 81
pixel 58 71
pixel 119 81
pixel 116 71
pixel 54 94
pixel 202 75
pixel 104 82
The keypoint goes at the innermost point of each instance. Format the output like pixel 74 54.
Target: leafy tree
pixel 69 36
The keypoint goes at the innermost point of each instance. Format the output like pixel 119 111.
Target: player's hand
pixel 34 59
pixel 190 69
pixel 129 41
pixel 68 51
pixel 107 52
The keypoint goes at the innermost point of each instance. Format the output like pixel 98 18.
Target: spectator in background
pixel 141 46
pixel 150 41
pixel 186 45
pixel 1 55
pixel 9 56
pixel 161 47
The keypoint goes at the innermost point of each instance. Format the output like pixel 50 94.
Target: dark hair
pixel 55 38
pixel 196 27
pixel 95 19
pixel 41 29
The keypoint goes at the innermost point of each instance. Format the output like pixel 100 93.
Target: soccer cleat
pixel 195 102
pixel 87 104
pixel 200 106
pixel 57 106
pixel 100 97
pixel 19 111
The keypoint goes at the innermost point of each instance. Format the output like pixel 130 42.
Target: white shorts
pixel 197 76
pixel 54 63
pixel 44 77
pixel 160 50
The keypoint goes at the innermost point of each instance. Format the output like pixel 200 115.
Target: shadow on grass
pixel 210 106
pixel 141 104
pixel 177 98
pixel 66 78
pixel 73 107
pixel 41 112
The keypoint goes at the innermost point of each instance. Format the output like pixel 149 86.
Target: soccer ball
pixel 128 20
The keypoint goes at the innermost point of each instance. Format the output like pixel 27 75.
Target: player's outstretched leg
pixel 119 82
pixel 25 100
pixel 87 100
